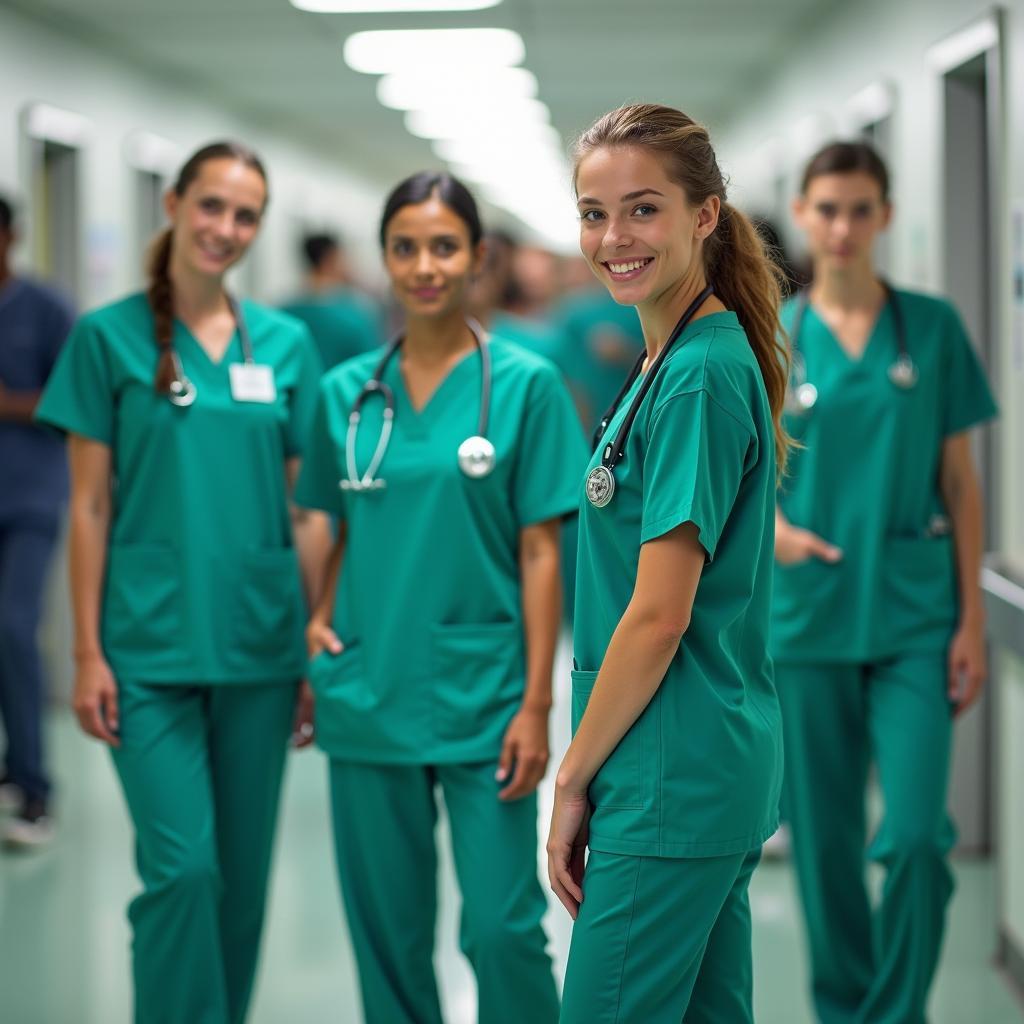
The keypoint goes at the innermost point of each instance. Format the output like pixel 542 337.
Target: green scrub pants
pixel 384 819
pixel 869 966
pixel 201 770
pixel 662 940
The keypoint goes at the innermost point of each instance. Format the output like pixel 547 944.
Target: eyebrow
pixel 627 198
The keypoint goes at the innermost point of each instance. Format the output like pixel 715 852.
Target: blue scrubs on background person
pixel 34 322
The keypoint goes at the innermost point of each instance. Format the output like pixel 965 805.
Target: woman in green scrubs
pixel 432 647
pixel 877 631
pixel 672 778
pixel 186 417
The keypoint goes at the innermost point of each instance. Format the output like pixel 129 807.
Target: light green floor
pixel 64 937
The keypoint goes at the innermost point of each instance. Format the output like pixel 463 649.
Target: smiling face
pixel 430 258
pixel 842 215
pixel 639 232
pixel 217 217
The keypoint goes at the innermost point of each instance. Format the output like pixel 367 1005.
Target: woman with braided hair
pixel 186 413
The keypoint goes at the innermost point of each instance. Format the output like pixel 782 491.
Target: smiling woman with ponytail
pixel 187 599
pixel 672 778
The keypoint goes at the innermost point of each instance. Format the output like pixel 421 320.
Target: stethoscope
pixel 181 391
pixel 802 395
pixel 601 479
pixel 476 454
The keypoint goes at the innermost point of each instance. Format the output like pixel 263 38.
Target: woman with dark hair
pixel 672 777
pixel 449 462
pixel 878 623
pixel 186 413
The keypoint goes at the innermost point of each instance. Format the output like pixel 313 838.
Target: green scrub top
pixel 591 326
pixel 202 582
pixel 867 480
pixel 344 323
pixel 534 335
pixel 699 772
pixel 428 602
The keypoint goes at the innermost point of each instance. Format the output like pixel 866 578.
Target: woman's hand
pixel 524 753
pixel 320 637
pixel 968 667
pixel 95 699
pixel 567 845
pixel 302 725
pixel 793 544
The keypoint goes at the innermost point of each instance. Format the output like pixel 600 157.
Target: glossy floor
pixel 64 937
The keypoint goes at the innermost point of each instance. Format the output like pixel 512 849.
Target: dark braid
pixel 161 299
pixel 160 292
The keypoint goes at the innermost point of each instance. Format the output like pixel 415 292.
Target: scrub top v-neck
pixel 429 602
pixel 698 773
pixel 202 579
pixel 867 480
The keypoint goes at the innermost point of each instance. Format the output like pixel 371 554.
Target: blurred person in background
pixel 877 621
pixel 186 414
pixel 343 320
pixel 34 323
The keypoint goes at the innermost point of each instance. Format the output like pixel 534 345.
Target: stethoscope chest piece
pixel 476 457
pixel 806 397
pixel 181 392
pixel 600 486
pixel 903 372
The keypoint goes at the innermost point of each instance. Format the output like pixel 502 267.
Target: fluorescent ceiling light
pixel 390 6
pixel 54 124
pixel 404 90
pixel 380 52
pixel 491 148
pixel 506 120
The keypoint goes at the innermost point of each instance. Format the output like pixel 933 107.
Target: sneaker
pixel 31 828
pixel 11 797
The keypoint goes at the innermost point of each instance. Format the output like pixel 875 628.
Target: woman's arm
pixel 524 750
pixel 638 656
pixel 312 531
pixel 319 633
pixel 95 696
pixel 961 493
pixel 793 544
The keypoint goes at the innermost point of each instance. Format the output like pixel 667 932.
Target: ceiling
pixel 284 67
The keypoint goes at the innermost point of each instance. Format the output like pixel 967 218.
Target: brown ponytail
pixel 749 282
pixel 736 262
pixel 161 300
pixel 160 292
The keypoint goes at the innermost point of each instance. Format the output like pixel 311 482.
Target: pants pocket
pixel 142 612
pixel 619 782
pixel 477 675
pixel 267 611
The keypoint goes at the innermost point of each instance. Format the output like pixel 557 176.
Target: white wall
pixel 40 66
pixel 874 41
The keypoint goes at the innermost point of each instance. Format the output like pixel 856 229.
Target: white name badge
pixel 252 382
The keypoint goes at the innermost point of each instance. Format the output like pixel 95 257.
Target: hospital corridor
pixel 511 512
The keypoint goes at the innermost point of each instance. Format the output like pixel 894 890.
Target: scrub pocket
pixel 267 610
pixel 142 610
pixel 920 588
pixel 477 677
pixel 619 783
pixel 332 674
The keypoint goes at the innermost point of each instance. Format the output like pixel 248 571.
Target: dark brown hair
pixel 161 289
pixel 847 158
pixel 735 261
